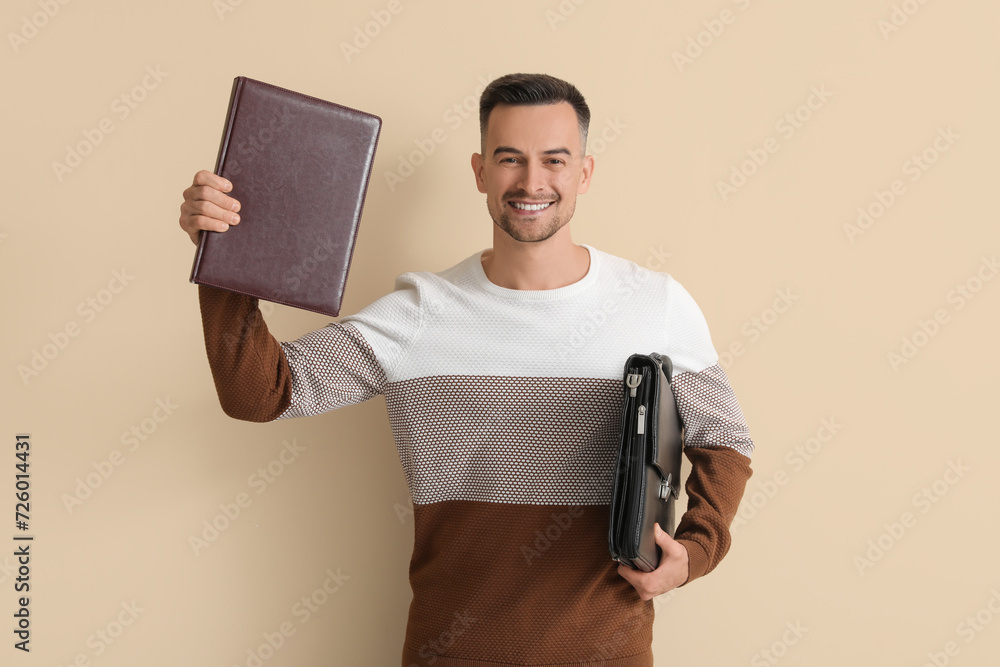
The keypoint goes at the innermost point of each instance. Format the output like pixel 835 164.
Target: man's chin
pixel 532 235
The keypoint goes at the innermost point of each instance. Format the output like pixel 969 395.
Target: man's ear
pixel 477 168
pixel 585 174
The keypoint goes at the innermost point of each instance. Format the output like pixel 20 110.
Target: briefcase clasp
pixel 665 487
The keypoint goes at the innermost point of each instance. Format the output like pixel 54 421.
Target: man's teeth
pixel 530 207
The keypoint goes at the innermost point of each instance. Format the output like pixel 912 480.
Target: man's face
pixel 532 168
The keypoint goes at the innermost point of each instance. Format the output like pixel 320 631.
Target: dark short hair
pixel 528 90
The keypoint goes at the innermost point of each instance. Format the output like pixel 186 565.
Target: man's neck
pixel 549 264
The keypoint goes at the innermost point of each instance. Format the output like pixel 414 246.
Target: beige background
pixel 673 132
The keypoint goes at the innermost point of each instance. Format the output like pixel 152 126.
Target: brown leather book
pixel 299 167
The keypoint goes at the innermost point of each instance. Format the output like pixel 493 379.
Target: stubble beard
pixel 530 232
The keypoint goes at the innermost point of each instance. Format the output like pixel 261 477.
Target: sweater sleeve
pixel 251 374
pixel 351 360
pixel 718 445
pixel 260 379
pixel 717 441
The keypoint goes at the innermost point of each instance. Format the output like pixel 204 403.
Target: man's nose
pixel 532 178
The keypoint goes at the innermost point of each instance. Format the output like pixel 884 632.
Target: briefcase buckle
pixel 665 487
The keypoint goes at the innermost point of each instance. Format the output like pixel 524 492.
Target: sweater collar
pixel 482 281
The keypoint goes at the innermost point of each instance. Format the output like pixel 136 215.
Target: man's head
pixel 532 89
pixel 533 162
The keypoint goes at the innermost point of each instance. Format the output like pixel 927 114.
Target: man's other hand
pixel 668 575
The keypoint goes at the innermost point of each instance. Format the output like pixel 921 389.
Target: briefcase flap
pixel 665 453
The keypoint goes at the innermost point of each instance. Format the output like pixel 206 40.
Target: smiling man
pixel 502 381
pixel 531 168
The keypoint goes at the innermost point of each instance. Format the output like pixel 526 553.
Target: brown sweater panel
pixel 714 488
pixel 251 373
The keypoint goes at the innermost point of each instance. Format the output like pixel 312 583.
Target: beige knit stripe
pixel 710 411
pixel 544 440
pixel 502 439
pixel 331 367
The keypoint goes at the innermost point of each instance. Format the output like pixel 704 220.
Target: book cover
pixel 299 167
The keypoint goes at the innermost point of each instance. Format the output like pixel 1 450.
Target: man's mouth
pixel 521 206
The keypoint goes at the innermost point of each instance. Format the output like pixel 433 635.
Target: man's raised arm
pixel 260 379
pixel 250 370
pixel 252 376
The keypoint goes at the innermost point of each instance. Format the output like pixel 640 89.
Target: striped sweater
pixel 505 406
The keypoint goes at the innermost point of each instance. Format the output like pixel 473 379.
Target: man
pixel 502 381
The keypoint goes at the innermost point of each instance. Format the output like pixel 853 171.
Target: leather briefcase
pixel 647 473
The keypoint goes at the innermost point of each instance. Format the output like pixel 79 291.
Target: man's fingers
pixel 205 177
pixel 200 214
pixel 212 188
pixel 208 193
pixel 193 224
pixel 208 209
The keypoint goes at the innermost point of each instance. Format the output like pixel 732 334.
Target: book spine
pixel 361 205
pixel 219 162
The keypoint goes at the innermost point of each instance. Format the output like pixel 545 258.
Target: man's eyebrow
pixel 506 149
pixel 552 151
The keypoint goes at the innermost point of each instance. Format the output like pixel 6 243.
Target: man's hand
pixel 669 574
pixel 207 207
